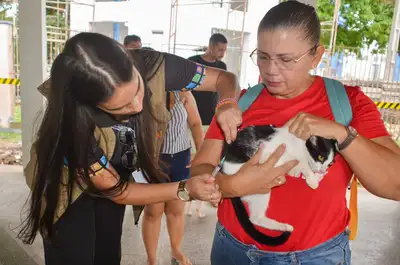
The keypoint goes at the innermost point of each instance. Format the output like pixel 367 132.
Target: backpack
pixel 342 112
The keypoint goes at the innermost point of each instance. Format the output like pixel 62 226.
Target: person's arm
pixel 184 75
pixel 200 187
pixel 194 119
pixel 104 177
pixel 373 156
pixel 135 193
pixel 376 163
pixel 206 159
pixel 30 168
pixel 252 178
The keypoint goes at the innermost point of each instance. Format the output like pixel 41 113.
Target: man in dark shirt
pixel 207 101
pixel 133 42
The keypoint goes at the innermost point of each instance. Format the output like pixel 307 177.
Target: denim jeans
pixel 227 250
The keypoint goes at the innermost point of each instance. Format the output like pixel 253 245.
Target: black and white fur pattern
pixel 315 156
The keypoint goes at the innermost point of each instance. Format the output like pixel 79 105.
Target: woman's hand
pixel 229 118
pixel 304 125
pixel 203 188
pixel 258 178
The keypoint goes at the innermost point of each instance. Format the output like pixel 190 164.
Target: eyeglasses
pixel 282 62
pixel 127 137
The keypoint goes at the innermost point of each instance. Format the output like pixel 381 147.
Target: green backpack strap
pixel 341 109
pixel 337 96
pixel 250 96
pixel 338 101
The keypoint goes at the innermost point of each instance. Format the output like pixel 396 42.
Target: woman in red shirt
pixel 288 47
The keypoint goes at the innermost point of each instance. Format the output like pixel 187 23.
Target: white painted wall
pixel 195 23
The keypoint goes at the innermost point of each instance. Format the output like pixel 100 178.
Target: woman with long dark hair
pixel 104 125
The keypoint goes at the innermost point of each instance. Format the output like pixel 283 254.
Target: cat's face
pixel 321 154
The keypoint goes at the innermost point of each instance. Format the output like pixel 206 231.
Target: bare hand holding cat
pixel 258 178
pixel 204 188
pixel 304 125
pixel 229 118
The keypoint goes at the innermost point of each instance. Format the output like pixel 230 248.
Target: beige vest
pixel 107 139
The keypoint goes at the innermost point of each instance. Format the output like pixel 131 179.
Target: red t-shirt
pixel 316 215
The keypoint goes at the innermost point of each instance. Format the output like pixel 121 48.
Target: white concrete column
pixel 33 63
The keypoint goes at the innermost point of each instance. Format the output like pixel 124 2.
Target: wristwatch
pixel 351 135
pixel 183 193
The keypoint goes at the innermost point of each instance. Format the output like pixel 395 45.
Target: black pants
pixel 88 233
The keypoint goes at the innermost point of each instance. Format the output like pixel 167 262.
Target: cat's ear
pixel 335 145
pixel 313 140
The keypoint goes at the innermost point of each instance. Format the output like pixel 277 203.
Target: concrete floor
pixel 377 242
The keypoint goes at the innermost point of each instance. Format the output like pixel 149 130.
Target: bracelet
pixel 100 165
pixel 227 99
pixel 103 163
pixel 224 102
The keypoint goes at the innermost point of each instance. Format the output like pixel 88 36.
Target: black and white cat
pixel 315 156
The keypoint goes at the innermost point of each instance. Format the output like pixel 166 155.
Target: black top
pixel 200 60
pixel 180 73
pixel 206 101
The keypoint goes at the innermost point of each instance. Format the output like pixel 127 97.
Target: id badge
pixel 138 177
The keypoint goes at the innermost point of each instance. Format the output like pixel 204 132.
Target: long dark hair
pixel 86 73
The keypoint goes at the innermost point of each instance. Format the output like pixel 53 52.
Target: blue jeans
pixel 227 250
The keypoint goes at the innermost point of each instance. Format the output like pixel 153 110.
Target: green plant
pixel 5 6
pixel 10 137
pixel 361 23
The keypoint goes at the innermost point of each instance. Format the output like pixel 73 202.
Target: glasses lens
pixel 284 64
pixel 264 61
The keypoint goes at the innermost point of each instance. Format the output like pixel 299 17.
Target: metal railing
pixel 365 69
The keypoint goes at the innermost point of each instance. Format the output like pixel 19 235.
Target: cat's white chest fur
pixel 295 150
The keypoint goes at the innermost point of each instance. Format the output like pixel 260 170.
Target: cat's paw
pixel 282 227
pixel 321 175
pixel 312 183
pixel 270 223
pixel 288 228
pixel 295 172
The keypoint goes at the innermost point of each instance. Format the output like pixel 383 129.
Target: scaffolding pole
pixel 393 44
pixel 173 26
pixel 174 18
pixel 239 69
pixel 332 42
